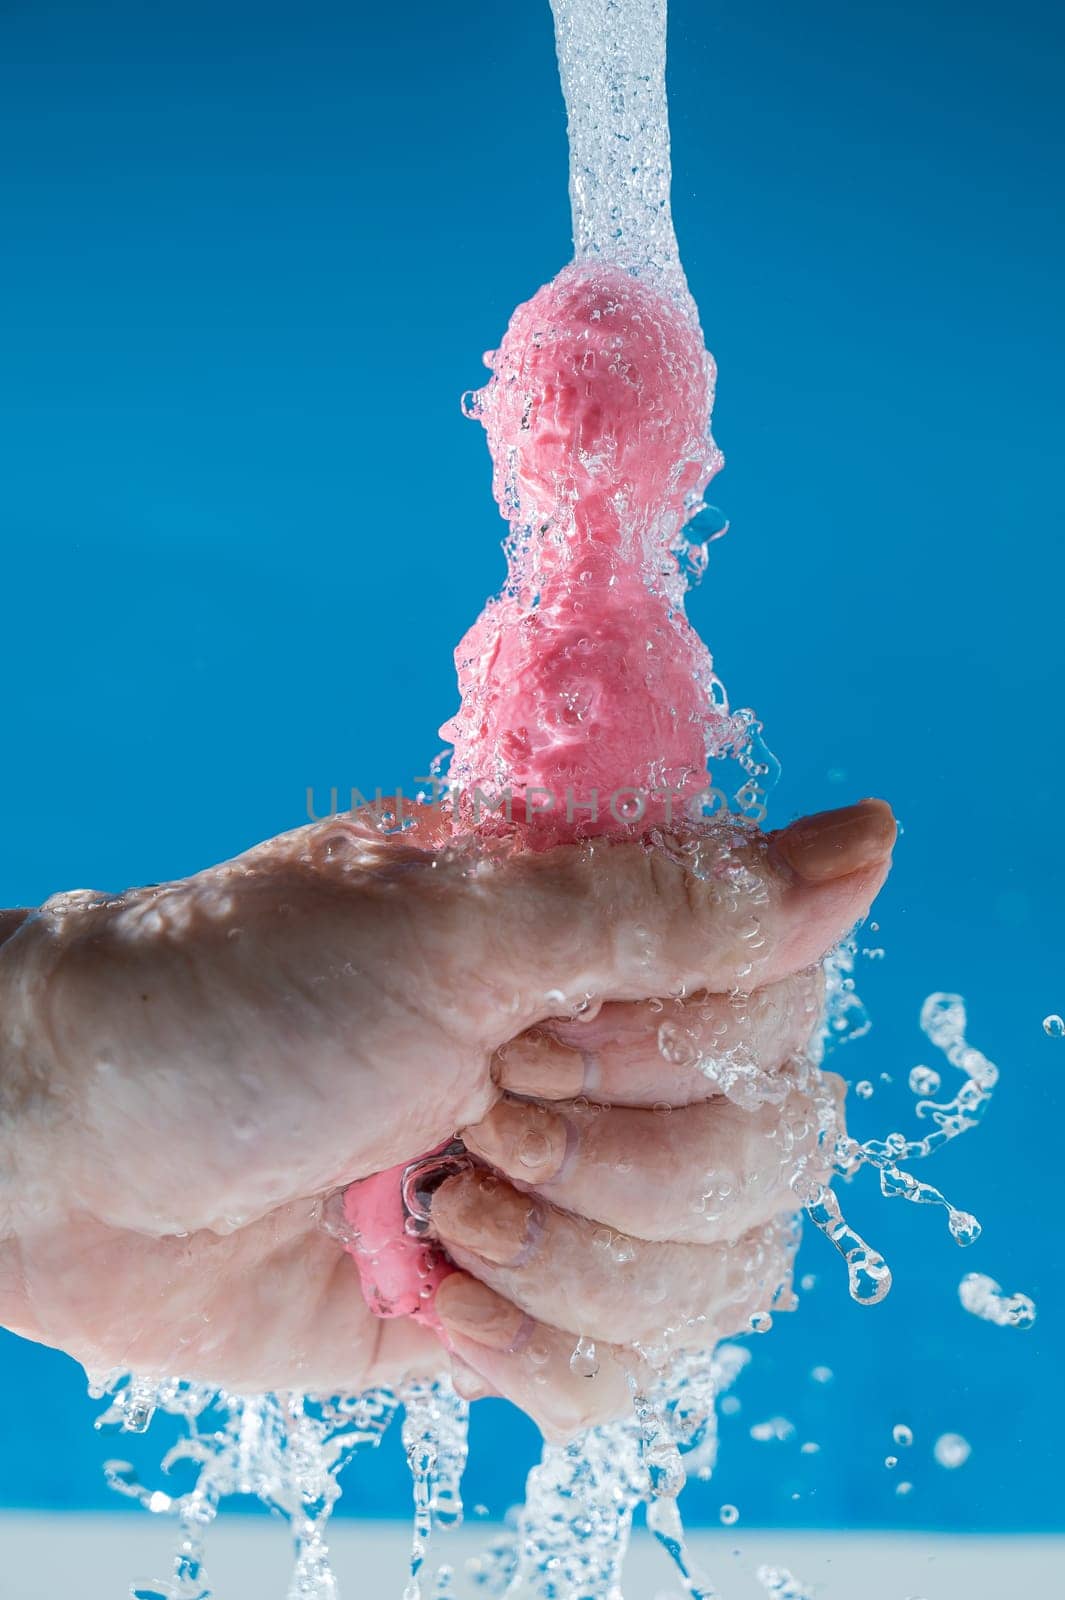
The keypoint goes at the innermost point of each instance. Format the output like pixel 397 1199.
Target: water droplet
pixel 964 1228
pixel 951 1450
pixel 984 1298
pixel 779 1428
pixel 891 1462
pixel 904 1488
pixel 902 1434
pixel 864 1089
pixel 822 1374
pixel 584 1362
pixel 729 1516
pixel 1054 1026
pixel 924 1081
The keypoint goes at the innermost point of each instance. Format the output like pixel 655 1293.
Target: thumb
pixel 721 909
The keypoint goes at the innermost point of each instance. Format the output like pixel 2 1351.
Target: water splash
pixel 285 1450
pixel 868 1274
pixel 943 1020
pixel 570 1538
pixel 435 1438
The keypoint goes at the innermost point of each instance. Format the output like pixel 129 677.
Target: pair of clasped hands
pixel 189 1072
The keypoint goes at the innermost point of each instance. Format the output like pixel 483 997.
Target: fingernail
pixel 537 1064
pixel 832 844
pixel 527 1142
pixel 479 1213
pixel 468 1307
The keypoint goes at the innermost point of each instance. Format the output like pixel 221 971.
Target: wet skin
pixel 186 1071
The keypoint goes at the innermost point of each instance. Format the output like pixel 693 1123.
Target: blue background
pixel 252 255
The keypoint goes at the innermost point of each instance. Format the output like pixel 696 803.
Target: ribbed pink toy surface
pixel 585 693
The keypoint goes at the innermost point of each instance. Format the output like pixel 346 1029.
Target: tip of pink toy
pixel 598 412
pixel 399 1272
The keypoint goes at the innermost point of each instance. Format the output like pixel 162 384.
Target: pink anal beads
pixel 584 680
pixel 586 696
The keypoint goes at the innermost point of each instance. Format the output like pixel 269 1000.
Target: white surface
pixel 95 1558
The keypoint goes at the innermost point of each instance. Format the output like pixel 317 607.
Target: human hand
pixel 637 1184
pixel 188 1070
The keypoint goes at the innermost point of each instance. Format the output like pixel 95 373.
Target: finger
pixel 705 1173
pixel 587 1279
pixel 730 908
pixel 531 1363
pixel 673 1052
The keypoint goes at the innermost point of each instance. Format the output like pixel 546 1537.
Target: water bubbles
pixel 1054 1026
pixel 984 1298
pixel 584 1362
pixel 951 1450
pixel 891 1462
pixel 822 1374
pixel 729 1516
pixel 864 1089
pixel 902 1435
pixel 903 1489
pixel 924 1081
pixel 760 1322
pixel 810 1448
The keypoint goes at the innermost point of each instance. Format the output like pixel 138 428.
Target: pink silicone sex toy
pixel 585 692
